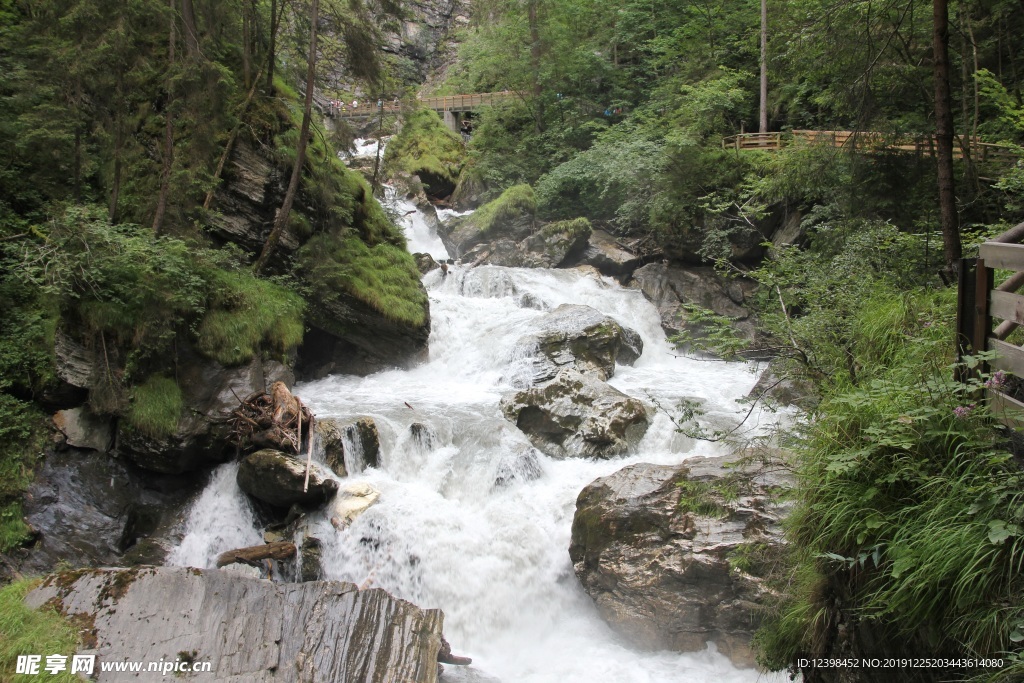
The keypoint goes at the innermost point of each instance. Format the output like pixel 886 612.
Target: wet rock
pixel 311 563
pixel 359 435
pixel 425 262
pixel 277 479
pixel 577 415
pixel 423 436
pixel 91 509
pixel 352 501
pixel 521 243
pixel 82 429
pixel 249 630
pixel 554 244
pixel 668 287
pixel 669 554
pixel 519 465
pixel 582 338
pixel 603 252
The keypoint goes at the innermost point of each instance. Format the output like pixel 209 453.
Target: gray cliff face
pixel 665 554
pixel 249 630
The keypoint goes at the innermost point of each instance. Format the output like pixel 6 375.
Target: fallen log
pixel 280 550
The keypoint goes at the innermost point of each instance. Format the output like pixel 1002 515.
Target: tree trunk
pixel 279 550
pixel 246 43
pixel 952 249
pixel 165 174
pixel 535 55
pixel 188 17
pixel 300 150
pixel 763 118
pixel 115 189
pixel 274 21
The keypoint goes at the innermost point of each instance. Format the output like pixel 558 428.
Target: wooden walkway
pixel 446 103
pixel 866 141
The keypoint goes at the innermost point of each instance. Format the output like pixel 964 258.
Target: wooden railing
pixel 455 103
pixel 980 300
pixel 868 141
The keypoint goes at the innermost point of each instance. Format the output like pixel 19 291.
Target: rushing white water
pixel 220 520
pixel 446 533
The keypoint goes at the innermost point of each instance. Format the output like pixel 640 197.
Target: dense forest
pixel 123 127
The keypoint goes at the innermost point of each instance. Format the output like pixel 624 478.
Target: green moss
pixel 247 314
pixel 425 145
pixel 572 228
pixel 26 631
pixel 156 407
pixel 514 202
pixel 382 276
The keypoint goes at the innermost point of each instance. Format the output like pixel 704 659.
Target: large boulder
pixel 577 415
pixel 245 629
pixel 671 555
pixel 604 252
pixel 356 436
pixel 669 287
pixel 91 509
pixel 583 338
pixel 525 244
pixel 348 336
pixel 82 429
pixel 277 479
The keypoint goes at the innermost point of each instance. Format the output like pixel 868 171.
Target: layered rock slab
pixel 660 550
pixel 250 630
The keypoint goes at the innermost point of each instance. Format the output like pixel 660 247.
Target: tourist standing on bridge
pixel 355 103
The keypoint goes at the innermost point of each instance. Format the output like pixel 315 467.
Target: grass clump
pixel 514 202
pixel 27 631
pixel 382 276
pixel 426 147
pixel 156 407
pixel 247 314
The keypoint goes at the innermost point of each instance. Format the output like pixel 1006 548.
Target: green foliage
pixel 516 201
pixel 156 407
pixel 709 333
pixel 246 314
pixel 426 147
pixel 615 179
pixel 27 631
pixel 383 277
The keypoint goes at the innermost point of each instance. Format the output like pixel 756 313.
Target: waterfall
pixel 471 518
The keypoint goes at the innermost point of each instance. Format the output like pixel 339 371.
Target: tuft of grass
pixel 156 407
pixel 247 314
pixel 382 276
pixel 23 431
pixel 27 631
pixel 514 202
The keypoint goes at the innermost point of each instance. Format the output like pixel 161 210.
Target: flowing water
pixel 466 522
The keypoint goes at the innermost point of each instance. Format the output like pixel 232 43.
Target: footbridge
pixel 868 141
pixel 451 107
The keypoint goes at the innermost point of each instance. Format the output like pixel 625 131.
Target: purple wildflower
pixel 962 411
pixel 997 380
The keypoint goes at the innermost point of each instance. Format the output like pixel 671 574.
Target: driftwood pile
pixel 275 420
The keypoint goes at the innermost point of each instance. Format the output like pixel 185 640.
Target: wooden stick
pixel 309 454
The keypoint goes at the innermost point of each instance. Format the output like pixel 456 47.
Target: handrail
pixel 979 300
pixel 871 141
